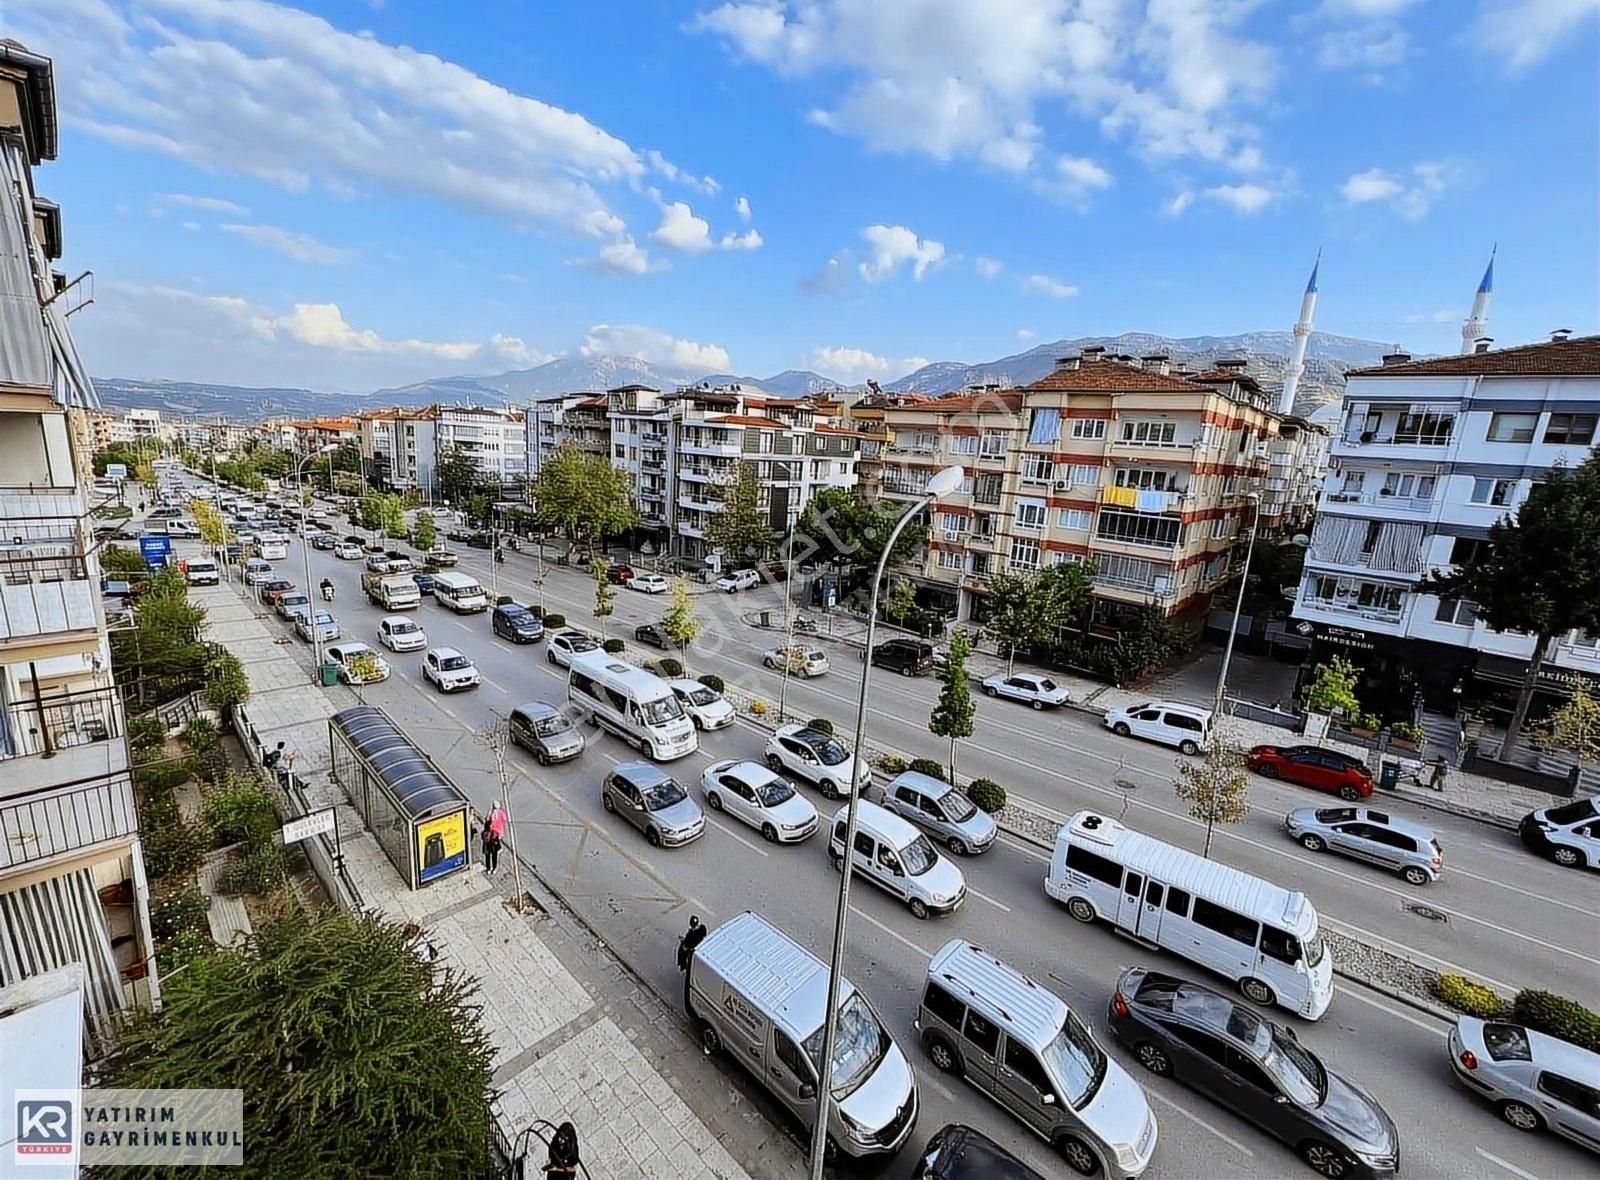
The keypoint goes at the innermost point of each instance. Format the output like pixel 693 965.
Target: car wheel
pixel 1257 992
pixel 605 801
pixel 1522 1116
pixel 991 690
pixel 710 1042
pixel 1267 770
pixel 652 837
pixel 1121 729
pixel 1312 843
pixel 1080 909
pixel 541 758
pixel 1349 794
pixel 1077 1155
pixel 1566 856
pixel 1189 746
pixel 944 1058
pixel 715 800
pixel 836 861
pixel 829 791
pixel 1416 875
pixel 1326 1160
pixel 769 833
pixel 1037 704
pixel 774 762
pixel 919 909
pixel 957 846
pixel 1153 1058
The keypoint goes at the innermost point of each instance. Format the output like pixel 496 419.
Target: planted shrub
pixel 174 847
pixel 1559 1017
pixel 536 611
pixel 928 767
pixel 612 646
pixel 240 809
pixel 821 725
pixel 555 620
pixel 1469 996
pixel 158 780
pixel 177 912
pixel 986 794
pixel 146 733
pixel 891 764
pixel 712 681
pixel 669 668
pixel 183 949
pixel 502 599
pixel 201 735
pixel 259 869
pixel 759 708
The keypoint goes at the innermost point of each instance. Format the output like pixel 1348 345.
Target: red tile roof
pixel 748 420
pixel 1578 356
pixel 1009 401
pixel 1103 376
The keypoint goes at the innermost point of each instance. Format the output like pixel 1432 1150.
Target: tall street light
pixel 942 484
pixel 1238 604
pixel 305 554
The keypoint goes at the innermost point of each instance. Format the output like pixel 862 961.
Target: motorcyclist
pixel 327 590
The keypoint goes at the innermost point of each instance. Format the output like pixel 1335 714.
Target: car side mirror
pixel 807 1090
pixel 1281 1099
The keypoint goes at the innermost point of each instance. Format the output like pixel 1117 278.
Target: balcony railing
pixel 1383 500
pixel 60 721
pixel 1371 612
pixel 903 487
pixel 1398 438
pixel 54 820
pixel 44 593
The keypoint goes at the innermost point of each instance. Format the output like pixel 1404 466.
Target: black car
pixel 424 583
pixel 1236 1057
pixel 957 1152
pixel 905 656
pixel 323 540
pixel 479 540
pixel 516 623
pixel 459 535
pixel 656 636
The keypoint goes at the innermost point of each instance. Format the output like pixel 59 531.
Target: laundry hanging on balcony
pixel 1121 497
pixel 1153 500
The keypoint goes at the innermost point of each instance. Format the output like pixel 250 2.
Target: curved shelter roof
pixel 418 786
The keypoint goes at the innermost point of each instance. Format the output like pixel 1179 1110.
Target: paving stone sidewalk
pixel 577 1035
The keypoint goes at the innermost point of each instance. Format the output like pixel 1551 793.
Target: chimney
pixel 1093 352
pixel 1157 362
pixel 1395 358
pixel 1066 364
pixel 1560 335
pixel 1232 365
pixel 1483 344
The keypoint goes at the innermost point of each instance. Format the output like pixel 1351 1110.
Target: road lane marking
pixel 494 684
pixel 999 905
pixel 1025 850
pixel 731 834
pixel 1395 1012
pixel 1198 1121
pixel 1512 1168
pixel 894 934
pixel 1451 871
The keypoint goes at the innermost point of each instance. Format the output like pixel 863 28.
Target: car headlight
pixel 1127 1157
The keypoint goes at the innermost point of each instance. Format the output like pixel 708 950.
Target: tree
pixel 1575 726
pixel 456 476
pixel 842 526
pixel 678 619
pixel 582 496
pixel 161 657
pixel 1538 573
pixel 227 684
pixel 605 594
pixel 392 515
pixel 1334 689
pixel 740 529
pixel 1018 613
pixel 901 598
pixel 357 1057
pixel 371 512
pixel 1068 589
pixel 1215 785
pixel 953 712
pixel 423 533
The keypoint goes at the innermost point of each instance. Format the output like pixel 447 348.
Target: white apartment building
pixel 1426 456
pixel 404 446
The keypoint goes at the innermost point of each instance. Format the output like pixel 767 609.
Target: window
pixel 943 1005
pixel 963 444
pixel 1083 475
pixel 1570 429
pixel 949 559
pixel 1154 478
pixel 1024 554
pixel 864 844
pixel 1058 557
pixel 1225 922
pixel 1030 514
pixel 1219 528
pixel 1089 428
pixel 1466 550
pixel 1091 864
pixel 1019 1059
pixel 1153 893
pixel 1280 945
pixel 1178 902
pixel 765 444
pixel 1408 485
pixel 1512 428
pixel 789 1053
pixel 1458 612
pixel 1037 469
pixel 987 489
pixel 1150 434
pixel 981 1033
pixel 1075 518
pixel 1580 1097
pixel 1202 1043
pixel 953 524
pixel 1495 492
pixel 1140 528
pixel 1045 425
pixel 993 445
pixel 1426 428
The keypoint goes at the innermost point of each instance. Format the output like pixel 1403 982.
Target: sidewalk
pixel 577 1035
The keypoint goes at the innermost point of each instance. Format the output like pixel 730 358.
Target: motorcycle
pixel 327 592
pixel 805 626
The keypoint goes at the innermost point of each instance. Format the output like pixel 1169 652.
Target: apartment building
pixel 403 445
pixel 72 881
pixel 1144 471
pixel 1426 456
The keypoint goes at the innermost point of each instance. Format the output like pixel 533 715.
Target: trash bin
pixel 330 675
pixel 766 618
pixel 1389 775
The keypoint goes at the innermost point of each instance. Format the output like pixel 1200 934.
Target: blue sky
pixel 357 193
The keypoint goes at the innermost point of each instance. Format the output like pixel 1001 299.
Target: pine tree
pixel 953 712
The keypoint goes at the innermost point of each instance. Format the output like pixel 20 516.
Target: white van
pixel 202 571
pixel 274 547
pixel 1568 834
pixel 638 707
pixel 460 592
pixel 1167 722
pixel 898 859
pixel 756 994
pixel 1263 937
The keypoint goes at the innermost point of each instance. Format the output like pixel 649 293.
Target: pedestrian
pixel 497 820
pixel 562 1160
pixel 491 850
pixel 692 938
pixel 272 758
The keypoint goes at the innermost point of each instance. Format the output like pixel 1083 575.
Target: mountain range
pixel 1328 358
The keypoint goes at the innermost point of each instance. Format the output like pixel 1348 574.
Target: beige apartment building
pixel 1122 462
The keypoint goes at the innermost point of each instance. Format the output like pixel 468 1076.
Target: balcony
pixel 1158 587
pixel 690 529
pixel 1361 501
pixel 694 445
pixel 45 592
pixel 1147 500
pixel 699 504
pixel 902 487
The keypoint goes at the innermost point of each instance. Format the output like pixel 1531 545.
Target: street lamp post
pixel 788 621
pixel 305 555
pixel 942 484
pixel 1238 605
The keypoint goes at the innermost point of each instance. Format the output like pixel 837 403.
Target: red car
pixel 1311 766
pixel 619 574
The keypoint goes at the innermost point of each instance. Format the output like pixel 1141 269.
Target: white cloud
pixel 164 201
pixel 1026 334
pixel 682 230
pixel 892 245
pixel 1525 32
pixel 1045 285
pixel 1445 315
pixel 749 240
pixel 291 244
pixel 625 257
pixel 741 206
pixel 1371 48
pixel 1409 197
pixel 852 366
pixel 653 346
pixel 1246 198
pixel 1178 203
pixel 987 268
pixel 516 351
pixel 832 279
pixel 658 162
pixel 1079 174
pixel 1366 8
pixel 322 325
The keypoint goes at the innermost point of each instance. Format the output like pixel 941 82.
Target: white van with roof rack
pixel 1265 938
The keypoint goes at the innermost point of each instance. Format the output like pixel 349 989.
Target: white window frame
pixel 953 524
pixel 1089 429
pixel 951 559
pixel 1080 519
pixel 993 445
pixel 963 444
pixel 1020 546
pixel 1031 515
pixel 1151 432
pixel 1489 485
pixel 1038 469
pixel 1503 426
pixel 1084 475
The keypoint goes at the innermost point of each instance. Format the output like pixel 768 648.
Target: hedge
pixel 669 668
pixel 986 794
pixel 555 620
pixel 714 682
pixel 1469 996
pixel 1558 1016
pixel 174 847
pixel 177 912
pixel 928 767
pixel 892 764
pixel 821 725
pixel 612 646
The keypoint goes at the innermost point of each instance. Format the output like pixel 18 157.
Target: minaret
pixel 1302 337
pixel 1478 322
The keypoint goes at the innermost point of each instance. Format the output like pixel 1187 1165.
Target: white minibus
pixel 274 547
pixel 638 707
pixel 1263 937
pixel 460 592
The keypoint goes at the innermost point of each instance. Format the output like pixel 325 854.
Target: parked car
pixel 545 732
pixel 371 547
pixel 1167 722
pixel 479 540
pixel 324 541
pixel 1030 688
pixel 1385 840
pixel 1536 1082
pixel 290 605
pixel 440 559
pixel 651 800
pixel 460 535
pixel 1234 1056
pixel 347 551
pixel 425 582
pixel 800 660
pixel 327 626
pixel 449 670
pixel 619 574
pixel 358 663
pixel 656 636
pixel 705 705
pixel 400 633
pixel 650 583
pixel 909 657
pixel 1568 835
pixel 257 571
pixel 957 1152
pixel 517 623
pixel 563 647
pixel 818 758
pixel 738 580
pixel 755 795
pixel 942 811
pixel 1314 767
pixel 273 589
pixel 774 571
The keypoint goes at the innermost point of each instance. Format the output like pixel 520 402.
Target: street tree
pixel 1333 689
pixel 582 496
pixel 1538 573
pixel 953 712
pixel 456 476
pixel 1575 727
pixel 1067 590
pixel 371 512
pixel 842 527
pixel 740 529
pixel 214 531
pixel 392 515
pixel 1216 785
pixel 423 533
pixel 357 1056
pixel 901 598
pixel 678 619
pixel 605 594
pixel 1019 613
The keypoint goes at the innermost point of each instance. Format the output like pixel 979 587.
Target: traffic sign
pixel 307 826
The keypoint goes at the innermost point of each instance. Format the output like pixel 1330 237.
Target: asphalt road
pixel 1508 916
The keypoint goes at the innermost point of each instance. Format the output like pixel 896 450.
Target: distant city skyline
pixel 350 195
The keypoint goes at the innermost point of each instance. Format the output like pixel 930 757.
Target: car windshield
pixel 452 663
pixel 957 806
pixel 918 857
pixel 405 628
pixel 773 792
pixel 830 751
pixel 658 712
pixel 552 725
pixel 1046 684
pixel 290 599
pixel 1294 1068
pixel 815 655
pixel 859 1043
pixel 581 643
pixel 324 618
pixel 663 792
pixel 1076 1060
pixel 701 696
pixel 1571 813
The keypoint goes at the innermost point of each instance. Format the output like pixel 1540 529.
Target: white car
pixel 650 583
pixel 563 647
pixel 1028 687
pixel 257 571
pixel 398 633
pixel 326 624
pixel 292 605
pixel 738 580
pixel 802 661
pixel 1167 722
pixel 185 529
pixel 449 670
pixel 705 706
pixel 358 663
pixel 755 795
pixel 347 551
pixel 817 757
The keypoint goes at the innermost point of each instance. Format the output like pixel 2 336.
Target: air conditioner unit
pixel 1062 485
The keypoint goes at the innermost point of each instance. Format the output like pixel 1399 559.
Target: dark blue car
pixel 424 583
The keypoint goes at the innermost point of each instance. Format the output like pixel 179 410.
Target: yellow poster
pixel 441 846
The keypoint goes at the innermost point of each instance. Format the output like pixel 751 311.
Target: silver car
pixel 545 732
pixel 1536 1082
pixel 1365 833
pixel 942 811
pixel 651 800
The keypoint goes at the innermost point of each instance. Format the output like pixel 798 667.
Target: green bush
pixel 928 767
pixel 240 809
pixel 211 765
pixel 174 847
pixel 201 735
pixel 759 708
pixel 986 794
pixel 146 733
pixel 821 725
pixel 714 682
pixel 612 646
pixel 555 620
pixel 537 612
pixel 891 764
pixel 502 599
pixel 182 950
pixel 1559 1017
pixel 158 780
pixel 1469 996
pixel 257 869
pixel 669 668
pixel 177 912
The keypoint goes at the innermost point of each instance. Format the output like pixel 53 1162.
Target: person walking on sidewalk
pixel 491 850
pixel 561 1163
pixel 695 935
pixel 497 820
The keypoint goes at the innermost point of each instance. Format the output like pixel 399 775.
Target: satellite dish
pixel 1301 540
